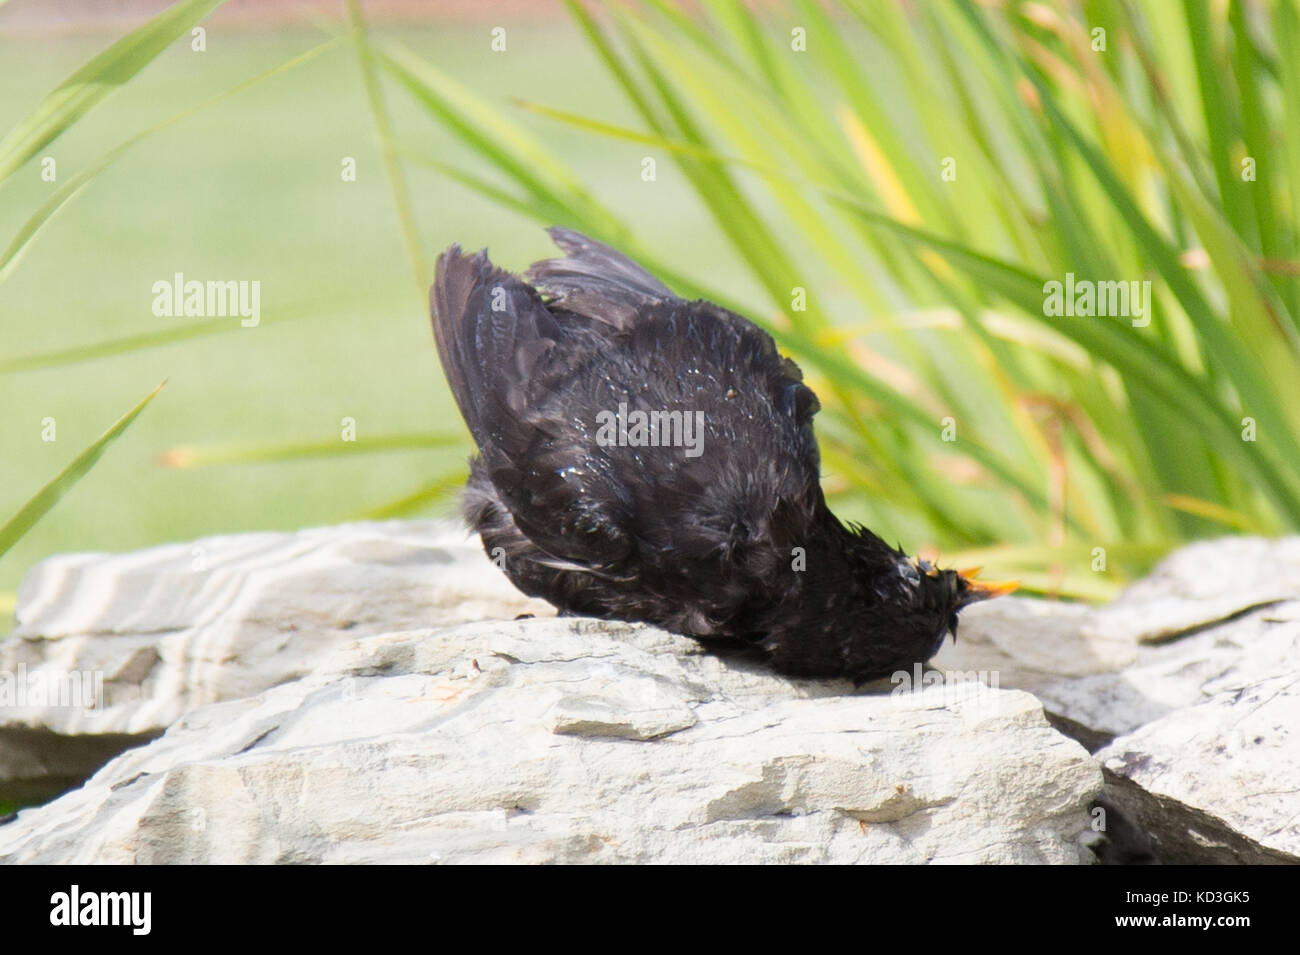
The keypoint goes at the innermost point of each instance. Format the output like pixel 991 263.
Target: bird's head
pixel 910 607
pixel 944 593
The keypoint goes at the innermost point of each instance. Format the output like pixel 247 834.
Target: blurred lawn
pixel 251 189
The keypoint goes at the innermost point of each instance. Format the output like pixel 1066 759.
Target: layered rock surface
pixel 364 693
pixel 554 740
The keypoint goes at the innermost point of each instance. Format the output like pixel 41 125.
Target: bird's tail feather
pixel 492 332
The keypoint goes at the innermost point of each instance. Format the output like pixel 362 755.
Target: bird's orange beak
pixel 994 588
pixel 986 589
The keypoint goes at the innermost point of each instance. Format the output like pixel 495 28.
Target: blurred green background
pixel 778 165
pixel 251 189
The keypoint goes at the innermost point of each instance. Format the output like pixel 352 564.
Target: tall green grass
pixel 1115 141
pixel 900 181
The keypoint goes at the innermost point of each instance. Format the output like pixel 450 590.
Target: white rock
pixel 1234 756
pixel 1205 583
pixel 320 644
pixel 557 740
pixel 1190 677
pixel 1113 682
pixel 171 628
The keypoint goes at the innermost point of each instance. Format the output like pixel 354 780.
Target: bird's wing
pixel 497 342
pixel 595 281
pixel 603 285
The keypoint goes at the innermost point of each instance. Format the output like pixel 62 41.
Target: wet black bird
pixel 718 529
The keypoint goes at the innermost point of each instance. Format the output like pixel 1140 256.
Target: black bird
pixel 718 529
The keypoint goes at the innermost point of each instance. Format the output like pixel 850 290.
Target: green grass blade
pixel 1251 80
pixel 186 457
pixel 1220 119
pixel 617 67
pixel 1287 24
pixel 45 499
pixel 388 149
pixel 503 143
pixel 72 188
pixel 98 78
pixel 168 336
pixel 441 490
